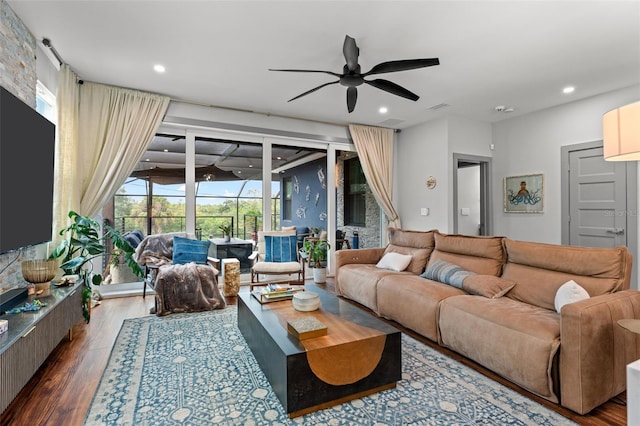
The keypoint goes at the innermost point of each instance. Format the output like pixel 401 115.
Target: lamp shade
pixel 621 133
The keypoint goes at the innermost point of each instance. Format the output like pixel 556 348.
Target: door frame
pixel 486 218
pixel 632 201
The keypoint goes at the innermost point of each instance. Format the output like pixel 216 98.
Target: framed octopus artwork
pixel 524 193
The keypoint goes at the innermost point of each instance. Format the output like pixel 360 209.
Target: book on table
pixel 306 327
pixel 279 290
pixel 273 292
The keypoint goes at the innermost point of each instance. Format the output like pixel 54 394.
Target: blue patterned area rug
pixel 196 369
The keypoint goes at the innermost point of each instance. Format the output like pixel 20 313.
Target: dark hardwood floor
pixel 61 391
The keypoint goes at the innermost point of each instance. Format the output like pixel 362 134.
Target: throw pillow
pixel 569 292
pixel 488 286
pixel 133 239
pixel 419 256
pixel 280 248
pixel 446 273
pixel 186 250
pixel 395 261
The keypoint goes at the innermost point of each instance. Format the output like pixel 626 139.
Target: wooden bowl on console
pixel 39 271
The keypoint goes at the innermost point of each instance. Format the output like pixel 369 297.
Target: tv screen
pixel 27 144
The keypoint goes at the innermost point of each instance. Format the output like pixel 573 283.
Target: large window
pixel 228 188
pixel 355 184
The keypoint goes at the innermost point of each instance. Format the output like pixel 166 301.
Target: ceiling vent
pixel 390 122
pixel 439 106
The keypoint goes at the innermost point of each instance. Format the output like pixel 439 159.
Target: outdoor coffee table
pixel 359 355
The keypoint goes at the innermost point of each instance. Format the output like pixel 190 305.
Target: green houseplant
pixel 226 231
pixel 316 251
pixel 82 243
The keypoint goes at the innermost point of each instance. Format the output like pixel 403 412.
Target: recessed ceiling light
pixel 165 150
pixel 250 165
pixel 383 110
pixel 278 158
pixel 159 68
pixel 568 89
pixel 146 159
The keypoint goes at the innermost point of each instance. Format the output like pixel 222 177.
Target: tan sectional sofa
pixel 505 318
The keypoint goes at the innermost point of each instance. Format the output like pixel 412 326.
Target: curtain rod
pixel 47 43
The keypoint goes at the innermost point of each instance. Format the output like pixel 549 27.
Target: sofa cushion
pixel 406 238
pixel 487 285
pixel 569 292
pixel 418 244
pixel 418 259
pixel 446 273
pixel 516 340
pixel 395 261
pixel 540 269
pixel 479 254
pixel 413 302
pixel 358 282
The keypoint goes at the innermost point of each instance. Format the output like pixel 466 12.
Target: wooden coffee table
pixel 359 355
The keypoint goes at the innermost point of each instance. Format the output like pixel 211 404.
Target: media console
pixel 32 336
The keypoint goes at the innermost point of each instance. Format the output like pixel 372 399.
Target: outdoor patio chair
pixel 276 254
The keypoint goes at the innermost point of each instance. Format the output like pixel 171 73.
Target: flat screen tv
pixel 27 144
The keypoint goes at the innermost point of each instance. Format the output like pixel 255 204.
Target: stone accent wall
pixel 17 56
pixel 369 235
pixel 17 75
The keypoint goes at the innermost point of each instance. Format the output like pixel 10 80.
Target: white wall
pixel 422 152
pixel 532 144
pixel 427 150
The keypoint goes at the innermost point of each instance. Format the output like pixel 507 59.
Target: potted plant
pixel 315 252
pixel 83 243
pixel 226 231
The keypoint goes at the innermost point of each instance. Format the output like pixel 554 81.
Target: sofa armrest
pixel 360 256
pixel 368 255
pixel 594 349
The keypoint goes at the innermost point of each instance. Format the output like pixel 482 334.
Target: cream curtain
pixel 103 131
pixel 116 126
pixel 66 194
pixel 375 150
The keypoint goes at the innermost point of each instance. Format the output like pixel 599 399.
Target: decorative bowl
pixel 306 301
pixel 39 270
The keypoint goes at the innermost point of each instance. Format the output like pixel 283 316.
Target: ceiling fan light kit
pixel 352 77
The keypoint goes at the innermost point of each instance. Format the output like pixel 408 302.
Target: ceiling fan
pixel 351 76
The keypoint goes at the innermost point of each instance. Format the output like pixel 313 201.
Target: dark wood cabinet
pixel 32 336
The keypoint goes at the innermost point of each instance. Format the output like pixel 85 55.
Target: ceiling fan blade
pixel 390 87
pixel 351 52
pixel 313 90
pixel 323 72
pixel 403 65
pixel 352 98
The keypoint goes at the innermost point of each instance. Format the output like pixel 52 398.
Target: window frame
pixel 351 197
